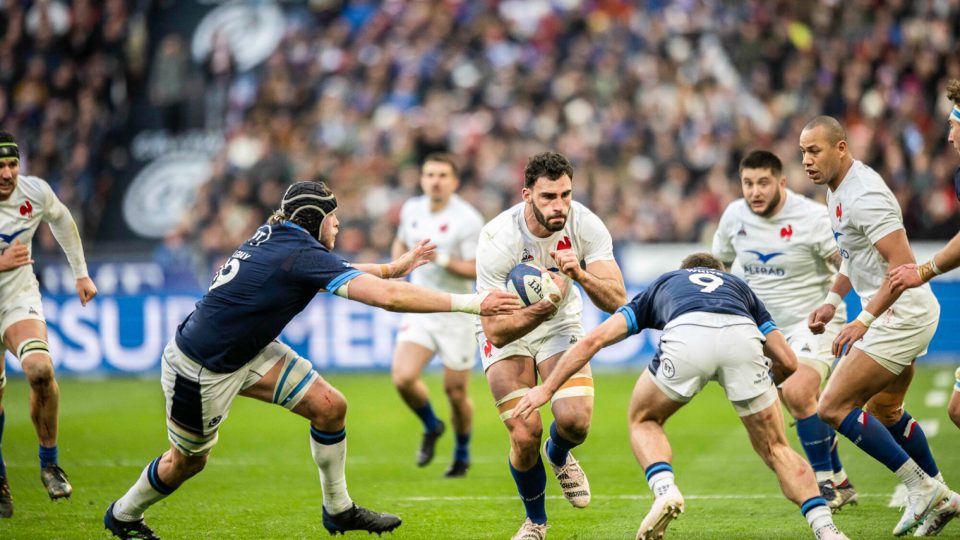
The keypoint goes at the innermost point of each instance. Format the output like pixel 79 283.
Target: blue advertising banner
pixel 118 334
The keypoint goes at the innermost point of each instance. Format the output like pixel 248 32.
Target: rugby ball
pixel 525 281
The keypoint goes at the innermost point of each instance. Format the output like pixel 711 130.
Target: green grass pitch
pixel 261 481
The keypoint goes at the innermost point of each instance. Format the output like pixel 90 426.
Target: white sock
pixel 911 475
pixel 823 476
pixel 331 459
pixel 819 518
pixel 660 483
pixel 139 497
pixel 839 477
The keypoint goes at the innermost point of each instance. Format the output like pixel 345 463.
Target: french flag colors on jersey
pixel 267 281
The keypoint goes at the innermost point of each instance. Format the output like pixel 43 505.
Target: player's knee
pixel 402 379
pixel 39 371
pixel 829 413
pixel 887 414
pixel 575 426
pixel 525 438
pixel 799 401
pixel 187 465
pixel 327 407
pixel 456 393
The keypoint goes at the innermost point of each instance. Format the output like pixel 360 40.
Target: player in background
pixel 864 398
pixel 789 257
pixel 25 201
pixel 454 226
pixel 550 230
pixel 715 328
pixel 910 275
pixel 227 347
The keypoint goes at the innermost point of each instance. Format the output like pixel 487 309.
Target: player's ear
pixel 527 194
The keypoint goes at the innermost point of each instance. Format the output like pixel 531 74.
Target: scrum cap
pixel 307 204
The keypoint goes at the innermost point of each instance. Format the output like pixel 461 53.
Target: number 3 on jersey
pixel 229 271
pixel 709 282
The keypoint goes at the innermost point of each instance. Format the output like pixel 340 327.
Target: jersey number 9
pixel 709 282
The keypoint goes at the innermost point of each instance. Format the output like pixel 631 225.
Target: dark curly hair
pixel 953 91
pixel 546 164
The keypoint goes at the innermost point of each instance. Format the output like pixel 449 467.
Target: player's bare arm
pixel 402 265
pixel 818 319
pixel 14 256
pixel 783 359
pixel 611 331
pixel 602 280
pixel 401 296
pixel 502 330
pixel 911 275
pixel 833 261
pixel 895 249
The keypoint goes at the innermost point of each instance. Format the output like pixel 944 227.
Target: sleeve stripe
pixel 632 327
pixel 768 327
pixel 338 281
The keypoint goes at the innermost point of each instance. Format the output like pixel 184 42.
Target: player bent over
pixel 25 201
pixel 714 328
pixel 227 347
pixel 785 246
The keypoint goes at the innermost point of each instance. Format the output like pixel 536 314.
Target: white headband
pixel 955 113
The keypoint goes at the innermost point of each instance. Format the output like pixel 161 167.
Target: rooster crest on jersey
pixel 525 280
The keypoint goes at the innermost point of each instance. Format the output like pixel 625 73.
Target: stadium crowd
pixel 655 102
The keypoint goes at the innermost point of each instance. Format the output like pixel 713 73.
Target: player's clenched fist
pixel 569 263
pixel 817 321
pixel 86 289
pixel 15 256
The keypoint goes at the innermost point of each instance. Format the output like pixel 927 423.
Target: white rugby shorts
pixel 815 351
pixel 537 345
pixel 700 347
pixel 449 335
pixel 20 307
pixel 895 345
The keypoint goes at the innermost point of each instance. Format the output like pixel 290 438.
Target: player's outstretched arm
pixel 405 297
pixel 907 276
pixel 505 329
pixel 601 280
pixel 782 358
pixel 402 264
pixel 611 331
pixel 86 290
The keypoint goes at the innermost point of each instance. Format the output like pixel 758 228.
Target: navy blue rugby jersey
pixel 694 289
pixel 261 287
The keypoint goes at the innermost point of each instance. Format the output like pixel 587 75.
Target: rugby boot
pixel 6 500
pixel 458 469
pixel 358 518
pixel 665 509
pixel 940 516
pixel 531 531
pixel 429 444
pixel 829 493
pixel 573 481
pixel 127 529
pixel 848 495
pixel 55 480
pixel 920 502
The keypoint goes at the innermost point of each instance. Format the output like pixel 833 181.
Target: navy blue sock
pixel 557 446
pixel 913 440
pixel 532 486
pixel 873 438
pixel 430 420
pixel 816 438
pixel 3 466
pixel 462 450
pixel 48 456
pixel 153 476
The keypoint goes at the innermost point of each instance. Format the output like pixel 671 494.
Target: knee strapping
pixel 189 443
pixel 295 379
pixel 3 380
pixel 578 385
pixel 507 403
pixel 32 346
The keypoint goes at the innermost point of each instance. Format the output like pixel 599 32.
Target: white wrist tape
pixel 551 292
pixel 467 303
pixel 866 318
pixel 933 266
pixel 833 299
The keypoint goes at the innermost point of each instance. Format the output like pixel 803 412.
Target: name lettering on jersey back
pixel 242 255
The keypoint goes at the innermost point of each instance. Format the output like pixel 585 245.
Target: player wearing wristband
pixel 550 230
pixel 784 245
pixel 450 222
pixel 890 333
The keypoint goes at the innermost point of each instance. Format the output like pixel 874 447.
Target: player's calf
pixel 358 518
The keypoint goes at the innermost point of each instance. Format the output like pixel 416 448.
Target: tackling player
pixel 715 328
pixel 227 347
pixel 789 257
pixel 454 226
pixel 25 201
pixel 864 398
pixel 552 231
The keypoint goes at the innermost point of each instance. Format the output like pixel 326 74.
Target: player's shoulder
pixel 413 205
pixel 863 180
pixel 585 220
pixel 465 210
pixel 33 185
pixel 801 206
pixel 505 225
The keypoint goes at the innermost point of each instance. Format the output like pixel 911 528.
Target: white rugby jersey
pixel 506 242
pixel 30 203
pixel 455 230
pixel 862 211
pixel 783 257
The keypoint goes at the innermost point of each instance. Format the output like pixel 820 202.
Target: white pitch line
pixel 715 496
